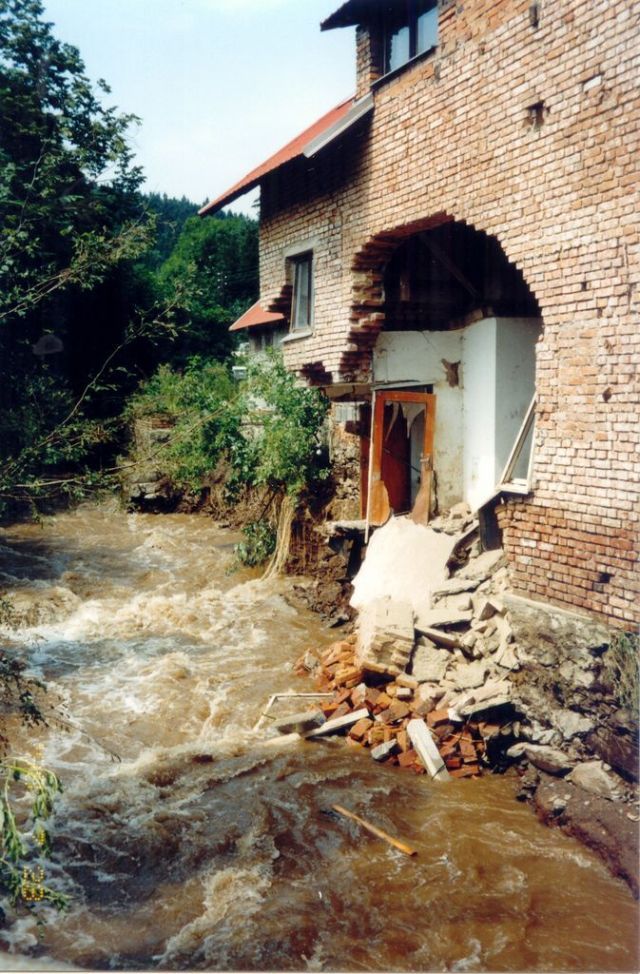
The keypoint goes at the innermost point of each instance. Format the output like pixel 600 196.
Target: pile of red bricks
pixel 391 702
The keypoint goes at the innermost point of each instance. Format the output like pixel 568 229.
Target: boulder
pixel 548 759
pixel 592 777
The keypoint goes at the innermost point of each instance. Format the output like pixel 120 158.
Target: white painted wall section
pixel 411 356
pixel 479 411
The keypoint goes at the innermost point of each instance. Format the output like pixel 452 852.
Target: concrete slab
pixel 404 561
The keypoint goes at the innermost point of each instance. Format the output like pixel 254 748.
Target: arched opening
pixel 457 327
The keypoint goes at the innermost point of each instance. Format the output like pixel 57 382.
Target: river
pixel 204 845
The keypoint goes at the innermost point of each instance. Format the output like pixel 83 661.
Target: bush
pixel 259 543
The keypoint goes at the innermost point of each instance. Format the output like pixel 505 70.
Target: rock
pixel 591 776
pixel 469 675
pixel 554 635
pixel 548 759
pixel 576 675
pixel 484 565
pixel 429 663
pixel 618 749
pixel 384 751
pixel 570 724
pixel 299 723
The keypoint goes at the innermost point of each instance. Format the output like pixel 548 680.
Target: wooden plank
pixel 379 833
pixel 424 744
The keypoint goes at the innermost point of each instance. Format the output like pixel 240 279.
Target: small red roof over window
pixel 290 151
pixel 256 315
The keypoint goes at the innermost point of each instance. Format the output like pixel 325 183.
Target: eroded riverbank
pixel 205 846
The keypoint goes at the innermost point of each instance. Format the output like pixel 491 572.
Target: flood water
pixel 206 846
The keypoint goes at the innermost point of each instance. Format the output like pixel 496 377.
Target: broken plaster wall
pixel 477 419
pixel 417 356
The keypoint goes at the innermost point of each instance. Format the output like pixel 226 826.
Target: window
pixel 302 300
pixel 411 28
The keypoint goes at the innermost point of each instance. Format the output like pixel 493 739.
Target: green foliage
pixel 18 693
pixel 198 406
pixel 259 544
pixel 284 448
pixel 24 846
pixel 269 427
pixel 216 261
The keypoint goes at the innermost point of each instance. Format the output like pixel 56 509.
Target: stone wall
pixel 524 126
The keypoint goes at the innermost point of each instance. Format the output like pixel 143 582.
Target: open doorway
pixel 399 458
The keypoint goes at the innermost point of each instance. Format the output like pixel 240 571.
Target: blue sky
pixel 219 84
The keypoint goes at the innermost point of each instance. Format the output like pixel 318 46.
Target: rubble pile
pixel 375 709
pixel 467 666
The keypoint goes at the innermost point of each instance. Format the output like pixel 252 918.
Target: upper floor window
pixel 302 299
pixel 410 28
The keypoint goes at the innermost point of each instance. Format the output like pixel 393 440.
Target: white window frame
pixel 521 486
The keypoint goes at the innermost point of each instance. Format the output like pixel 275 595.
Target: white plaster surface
pixel 404 561
pixel 476 422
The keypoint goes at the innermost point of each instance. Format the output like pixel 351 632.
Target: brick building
pixel 454 252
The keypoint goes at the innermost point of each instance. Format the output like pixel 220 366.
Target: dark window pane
pixel 302 293
pixel 398 48
pixel 427 30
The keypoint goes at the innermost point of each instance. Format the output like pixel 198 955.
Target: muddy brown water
pixel 206 845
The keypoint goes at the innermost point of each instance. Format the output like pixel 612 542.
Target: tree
pixel 71 227
pixel 216 258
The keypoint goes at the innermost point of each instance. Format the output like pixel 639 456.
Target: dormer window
pixel 410 29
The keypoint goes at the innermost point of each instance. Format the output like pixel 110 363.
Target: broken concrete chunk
pixel 454 586
pixel 386 636
pixel 425 746
pixel 469 676
pixel 456 603
pixel 441 637
pixel 339 723
pixel 485 608
pixel 484 565
pixel 299 723
pixel 430 663
pixel 440 618
pixel 506 657
pixel 385 750
pixel 591 776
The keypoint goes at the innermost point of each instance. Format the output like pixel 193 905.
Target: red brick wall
pixel 451 135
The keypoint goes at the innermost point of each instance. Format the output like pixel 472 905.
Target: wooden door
pixel 389 476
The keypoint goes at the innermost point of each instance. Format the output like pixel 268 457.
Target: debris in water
pixel 379 833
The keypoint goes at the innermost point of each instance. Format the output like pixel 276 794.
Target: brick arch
pixel 367 313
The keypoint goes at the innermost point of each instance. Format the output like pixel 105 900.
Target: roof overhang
pixel 351 14
pixel 357 111
pixel 305 145
pixel 257 317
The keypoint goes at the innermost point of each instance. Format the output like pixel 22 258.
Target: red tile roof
pixel 256 315
pixel 286 154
